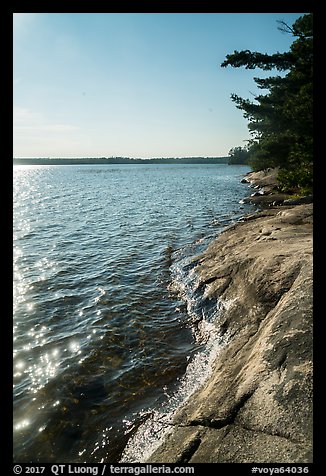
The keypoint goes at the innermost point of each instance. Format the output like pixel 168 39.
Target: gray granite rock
pixel 257 404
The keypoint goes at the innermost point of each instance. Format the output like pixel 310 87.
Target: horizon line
pixel 124 157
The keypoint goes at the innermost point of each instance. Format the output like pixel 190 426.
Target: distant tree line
pixel 118 160
pixel 280 121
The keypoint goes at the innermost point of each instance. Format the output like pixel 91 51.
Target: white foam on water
pixel 151 433
pixel 204 315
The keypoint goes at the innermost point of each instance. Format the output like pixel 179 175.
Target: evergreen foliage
pixel 238 155
pixel 280 121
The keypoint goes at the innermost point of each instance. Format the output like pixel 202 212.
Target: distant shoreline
pixel 118 160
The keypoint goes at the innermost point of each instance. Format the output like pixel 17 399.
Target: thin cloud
pixel 33 134
pixel 25 119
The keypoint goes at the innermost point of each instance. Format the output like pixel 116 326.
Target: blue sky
pixel 134 84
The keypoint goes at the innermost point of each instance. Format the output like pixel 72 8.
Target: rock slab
pixel 256 407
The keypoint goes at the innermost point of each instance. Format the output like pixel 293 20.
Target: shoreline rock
pixel 256 407
pixel 267 190
pixel 264 178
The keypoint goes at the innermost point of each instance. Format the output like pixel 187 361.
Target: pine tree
pixel 280 121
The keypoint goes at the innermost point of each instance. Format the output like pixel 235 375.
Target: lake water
pixel 106 327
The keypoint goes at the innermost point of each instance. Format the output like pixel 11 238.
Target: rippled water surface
pixel 104 328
